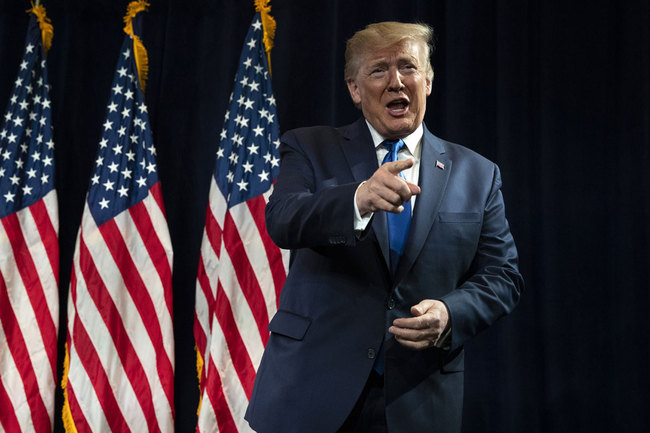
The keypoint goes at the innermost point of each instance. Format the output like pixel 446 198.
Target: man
pixel 370 329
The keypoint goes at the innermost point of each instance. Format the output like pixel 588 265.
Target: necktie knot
pixel 393 147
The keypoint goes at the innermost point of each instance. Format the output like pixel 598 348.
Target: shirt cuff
pixel 360 223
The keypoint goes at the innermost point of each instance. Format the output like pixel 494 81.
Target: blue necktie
pixel 398 223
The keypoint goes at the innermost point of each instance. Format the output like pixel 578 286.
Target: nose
pixel 394 80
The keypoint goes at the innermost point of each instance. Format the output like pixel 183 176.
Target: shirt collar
pixel 411 141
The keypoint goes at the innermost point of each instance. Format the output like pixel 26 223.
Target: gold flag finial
pixel 139 51
pixel 47 29
pixel 268 24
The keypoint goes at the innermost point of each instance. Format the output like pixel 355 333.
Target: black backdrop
pixel 556 92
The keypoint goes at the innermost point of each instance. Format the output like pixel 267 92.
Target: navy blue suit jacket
pixel 340 297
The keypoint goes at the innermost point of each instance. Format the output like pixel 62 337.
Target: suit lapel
pixel 435 168
pixel 361 157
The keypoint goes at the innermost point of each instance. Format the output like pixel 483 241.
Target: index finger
pixel 410 322
pixel 395 167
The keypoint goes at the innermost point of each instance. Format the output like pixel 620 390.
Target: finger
pixel 395 167
pixel 412 334
pixel 411 323
pixel 414 345
pixel 415 190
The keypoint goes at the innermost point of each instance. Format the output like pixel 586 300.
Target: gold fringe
pixel 139 51
pixel 199 371
pixel 68 422
pixel 47 29
pixel 268 23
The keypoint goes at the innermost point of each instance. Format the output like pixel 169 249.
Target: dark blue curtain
pixel 555 92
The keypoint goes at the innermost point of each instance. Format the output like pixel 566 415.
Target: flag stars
pixel 117 149
pixel 123 191
pixel 248 167
pixel 248 62
pixel 104 203
pixel 264 176
pixel 126 54
pixel 243 186
pixel 126 112
pixel 151 168
pixel 117 89
pixel 257 25
pixel 47 161
pixel 9 197
pixel 251 43
pixel 108 125
pixel 113 166
pixel 130 155
pixel 142 182
pixel 126 173
pixel 108 185
pixel 95 179
pixel 45 179
pixel 259 131
pixel 112 107
pixel 27 190
pixel 103 143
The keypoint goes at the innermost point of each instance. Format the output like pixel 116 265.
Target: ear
pixel 353 88
pixel 429 84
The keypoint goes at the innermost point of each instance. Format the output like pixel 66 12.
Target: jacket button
pixel 391 303
pixel 372 353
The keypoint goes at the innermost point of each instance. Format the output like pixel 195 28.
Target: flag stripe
pixel 18 347
pixel 91 363
pixel 124 348
pixel 256 206
pixel 218 403
pixel 28 273
pixel 163 256
pixel 141 298
pixel 8 419
pixel 47 231
pixel 245 275
pixel 236 346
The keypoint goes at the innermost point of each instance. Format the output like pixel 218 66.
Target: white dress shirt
pixel 411 149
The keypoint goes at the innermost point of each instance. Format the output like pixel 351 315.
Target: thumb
pixel 422 307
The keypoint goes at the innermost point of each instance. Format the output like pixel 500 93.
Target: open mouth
pixel 397 107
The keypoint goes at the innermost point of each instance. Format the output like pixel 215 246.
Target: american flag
pixel 240 271
pixel 29 253
pixel 120 343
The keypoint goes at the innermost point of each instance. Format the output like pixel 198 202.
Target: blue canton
pixel 125 167
pixel 248 158
pixel 26 145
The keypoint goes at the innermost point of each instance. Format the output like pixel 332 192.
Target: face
pixel 391 87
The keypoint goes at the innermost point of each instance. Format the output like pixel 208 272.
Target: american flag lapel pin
pixel 440 165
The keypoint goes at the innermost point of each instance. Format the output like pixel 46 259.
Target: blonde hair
pixel 382 35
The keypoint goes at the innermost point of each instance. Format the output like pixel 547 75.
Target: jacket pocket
pixel 289 324
pixel 459 217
